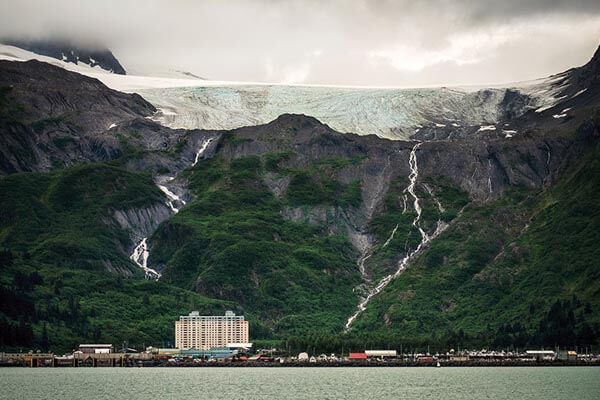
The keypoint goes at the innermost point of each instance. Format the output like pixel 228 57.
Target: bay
pixel 301 383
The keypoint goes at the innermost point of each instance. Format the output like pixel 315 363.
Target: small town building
pixel 203 332
pixel 381 353
pixel 541 354
pixel 357 356
pixel 168 352
pixel 303 357
pixel 566 355
pixel 240 347
pixel 96 348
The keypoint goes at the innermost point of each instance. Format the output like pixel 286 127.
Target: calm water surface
pixel 301 383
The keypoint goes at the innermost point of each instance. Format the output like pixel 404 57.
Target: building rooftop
pixel 357 356
pixel 197 314
pixel 240 345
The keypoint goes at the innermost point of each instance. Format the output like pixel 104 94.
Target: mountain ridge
pixel 291 222
pixel 71 52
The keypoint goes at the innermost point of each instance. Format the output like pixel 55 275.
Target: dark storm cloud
pixel 354 42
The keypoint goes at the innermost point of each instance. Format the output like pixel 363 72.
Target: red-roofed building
pixel 357 356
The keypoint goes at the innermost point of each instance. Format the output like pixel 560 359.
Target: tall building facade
pixel 203 332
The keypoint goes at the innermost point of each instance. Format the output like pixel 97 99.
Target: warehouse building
pixel 381 353
pixel 204 332
pixel 96 348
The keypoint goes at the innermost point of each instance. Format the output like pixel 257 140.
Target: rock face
pixel 484 169
pixel 51 117
pixel 140 223
pixel 73 53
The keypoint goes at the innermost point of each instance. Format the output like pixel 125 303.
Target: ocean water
pixel 301 383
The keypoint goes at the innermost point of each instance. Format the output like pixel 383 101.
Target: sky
pixel 351 42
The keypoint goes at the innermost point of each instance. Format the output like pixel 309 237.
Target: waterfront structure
pixel 541 354
pixel 357 356
pixel 381 353
pixel 566 355
pixel 240 347
pixel 203 332
pixel 96 348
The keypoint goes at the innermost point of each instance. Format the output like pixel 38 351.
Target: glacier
pixel 393 113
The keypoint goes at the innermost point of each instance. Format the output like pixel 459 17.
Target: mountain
pixel 52 117
pixel 71 53
pixel 484 238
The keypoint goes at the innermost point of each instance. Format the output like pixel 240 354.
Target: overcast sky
pixel 352 42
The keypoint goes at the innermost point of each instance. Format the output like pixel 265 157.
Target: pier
pixel 34 360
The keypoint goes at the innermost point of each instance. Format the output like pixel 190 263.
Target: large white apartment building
pixel 203 332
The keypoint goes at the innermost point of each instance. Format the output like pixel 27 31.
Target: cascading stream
pixel 201 150
pixel 389 239
pixel 413 177
pixel 140 257
pixel 141 253
pixel 173 198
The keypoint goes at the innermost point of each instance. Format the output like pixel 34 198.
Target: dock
pixel 34 360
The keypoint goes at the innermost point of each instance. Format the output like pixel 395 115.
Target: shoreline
pixel 153 364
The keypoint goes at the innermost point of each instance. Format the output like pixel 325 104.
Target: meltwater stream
pixel 140 253
pixel 173 198
pixel 201 150
pixel 174 202
pixel 414 175
pixel 140 257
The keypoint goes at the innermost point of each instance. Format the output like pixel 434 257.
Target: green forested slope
pixel 54 285
pixel 523 270
pixel 231 242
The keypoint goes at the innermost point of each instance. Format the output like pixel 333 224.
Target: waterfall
pixel 140 253
pixel 173 198
pixel 489 180
pixel 391 236
pixel 201 150
pixel 140 257
pixel 404 200
pixel 413 177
